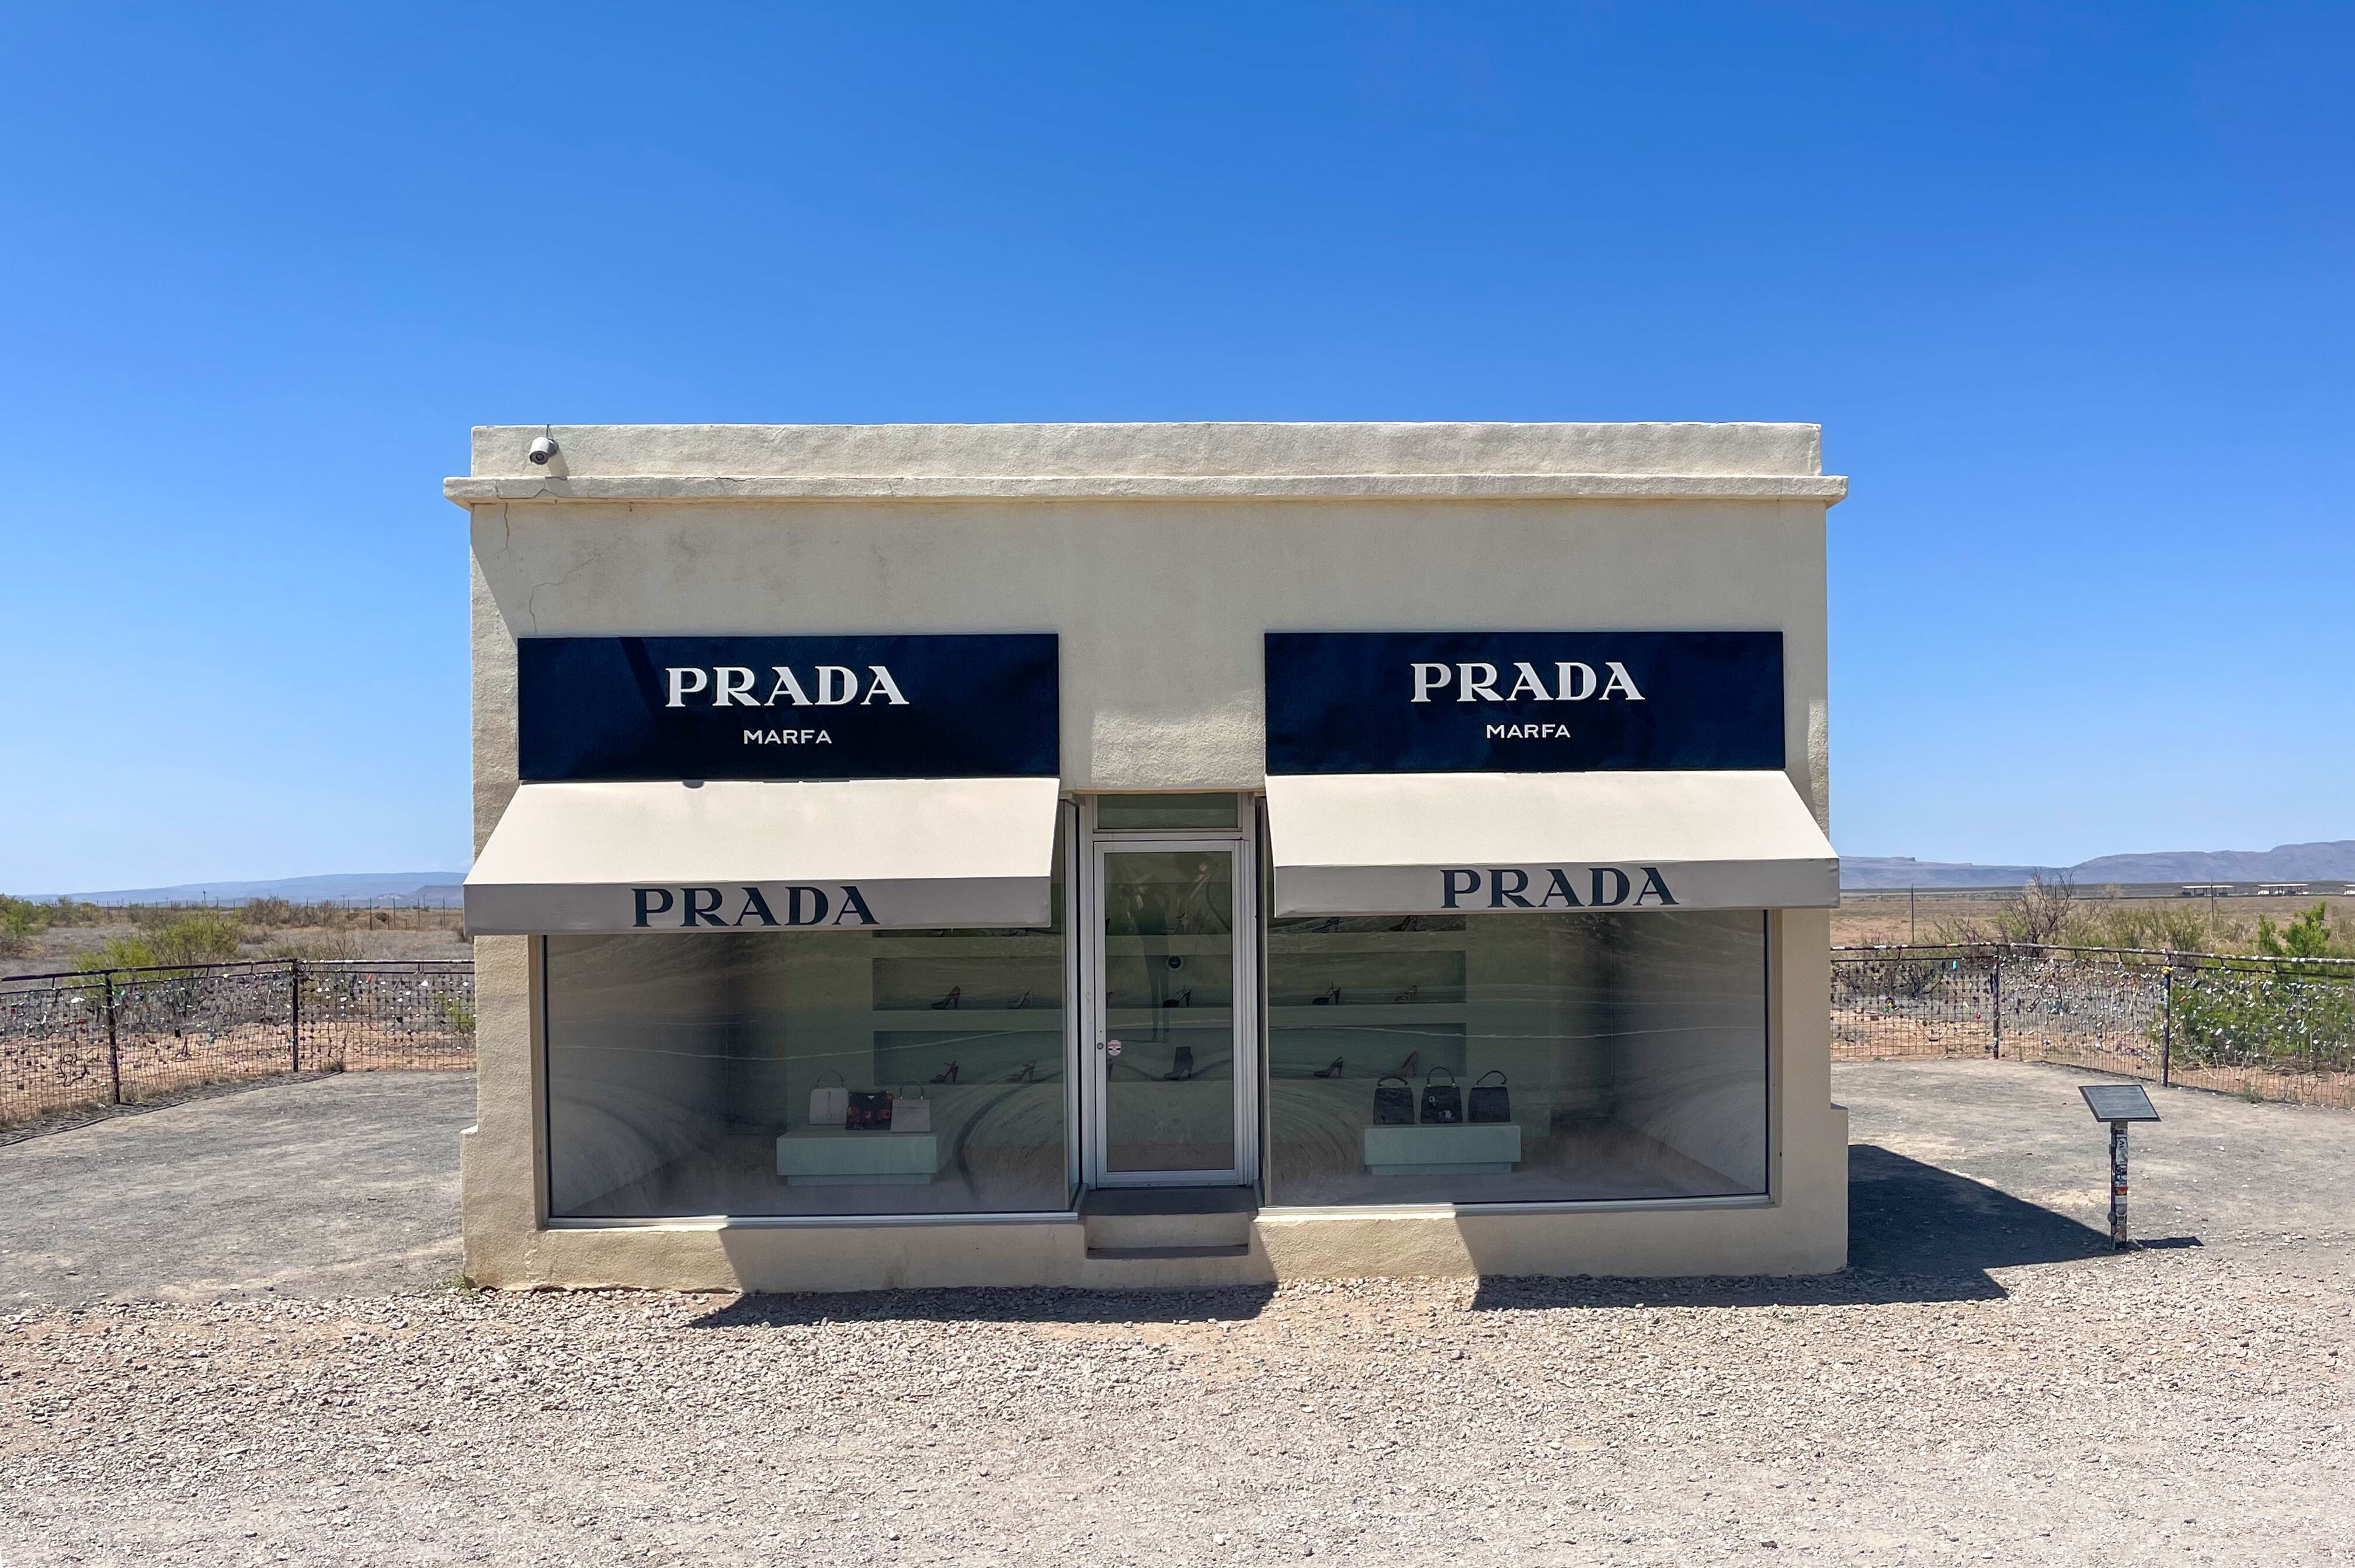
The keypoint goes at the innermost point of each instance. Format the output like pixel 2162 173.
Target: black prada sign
pixel 750 904
pixel 953 706
pixel 1383 702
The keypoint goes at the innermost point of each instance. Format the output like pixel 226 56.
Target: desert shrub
pixel 2039 914
pixel 267 912
pixel 2307 937
pixel 333 945
pixel 2174 928
pixel 21 920
pixel 191 936
pixel 458 1012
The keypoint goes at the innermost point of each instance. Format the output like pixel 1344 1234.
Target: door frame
pixel 1242 847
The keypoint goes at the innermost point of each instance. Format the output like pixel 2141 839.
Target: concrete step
pixel 1208 1268
pixel 1169 1221
pixel 1116 1255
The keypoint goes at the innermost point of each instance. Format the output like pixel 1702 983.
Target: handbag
pixel 869 1111
pixel 1393 1106
pixel 1443 1104
pixel 1490 1102
pixel 911 1114
pixel 828 1101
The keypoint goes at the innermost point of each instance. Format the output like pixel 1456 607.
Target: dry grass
pixel 1881 918
pixel 273 929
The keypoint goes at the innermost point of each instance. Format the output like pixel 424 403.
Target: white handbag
pixel 911 1112
pixel 829 1103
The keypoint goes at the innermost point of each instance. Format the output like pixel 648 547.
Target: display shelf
pixel 1297 1016
pixel 1461 1148
pixel 829 1157
pixel 969 1020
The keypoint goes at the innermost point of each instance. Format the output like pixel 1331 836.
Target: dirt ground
pixel 1988 1382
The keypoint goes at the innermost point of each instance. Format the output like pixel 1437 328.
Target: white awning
pixel 767 857
pixel 1427 843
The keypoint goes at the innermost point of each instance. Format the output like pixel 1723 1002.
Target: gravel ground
pixel 2016 1396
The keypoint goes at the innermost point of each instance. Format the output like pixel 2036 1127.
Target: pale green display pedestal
pixel 829 1157
pixel 1482 1148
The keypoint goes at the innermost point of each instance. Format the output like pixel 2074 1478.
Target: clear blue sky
pixel 2069 290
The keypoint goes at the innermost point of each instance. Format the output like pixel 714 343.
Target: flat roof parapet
pixel 1402 460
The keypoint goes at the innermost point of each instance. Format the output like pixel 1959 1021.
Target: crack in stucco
pixel 593 557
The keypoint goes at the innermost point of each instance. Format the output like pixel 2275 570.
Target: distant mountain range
pixel 2330 861
pixel 434 890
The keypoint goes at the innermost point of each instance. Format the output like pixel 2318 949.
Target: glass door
pixel 1172 1063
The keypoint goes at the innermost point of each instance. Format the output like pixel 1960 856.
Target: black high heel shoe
pixel 946 1075
pixel 950 1002
pixel 1332 1072
pixel 1331 998
pixel 1181 1067
pixel 1406 1068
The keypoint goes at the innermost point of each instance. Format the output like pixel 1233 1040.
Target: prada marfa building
pixel 1149 855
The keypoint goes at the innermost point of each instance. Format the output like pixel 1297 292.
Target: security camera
pixel 543 448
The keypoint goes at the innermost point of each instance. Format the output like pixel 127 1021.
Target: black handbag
pixel 1393 1103
pixel 1490 1102
pixel 1443 1104
pixel 869 1111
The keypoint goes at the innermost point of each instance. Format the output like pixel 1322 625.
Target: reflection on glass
pixel 1517 1057
pixel 1170 996
pixel 731 1073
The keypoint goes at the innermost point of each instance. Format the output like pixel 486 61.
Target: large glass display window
pixel 1517 1057
pixel 833 1072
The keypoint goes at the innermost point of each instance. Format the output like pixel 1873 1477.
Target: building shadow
pixel 991 1305
pixel 1916 1234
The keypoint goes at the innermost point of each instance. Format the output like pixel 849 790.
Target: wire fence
pixel 2265 1028
pixel 125 1037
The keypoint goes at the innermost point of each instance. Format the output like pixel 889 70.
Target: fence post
pixel 114 1051
pixel 2167 1028
pixel 295 1010
pixel 1995 1004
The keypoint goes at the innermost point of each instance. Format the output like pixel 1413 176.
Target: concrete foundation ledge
pixel 1623 1243
pixel 1632 1241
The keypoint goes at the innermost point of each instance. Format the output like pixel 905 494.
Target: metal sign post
pixel 2118 1105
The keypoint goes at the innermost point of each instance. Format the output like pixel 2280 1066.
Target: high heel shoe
pixel 1020 1002
pixel 1181 1066
pixel 946 1075
pixel 950 1002
pixel 1408 994
pixel 1185 999
pixel 1332 1072
pixel 1406 1068
pixel 1029 1070
pixel 1331 998
pixel 1411 923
